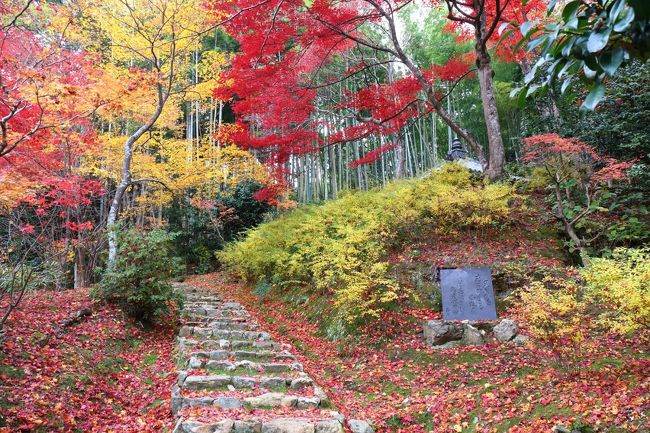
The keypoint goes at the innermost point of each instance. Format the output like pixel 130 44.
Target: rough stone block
pixel 438 332
pixel 360 426
pixel 288 425
pixel 506 330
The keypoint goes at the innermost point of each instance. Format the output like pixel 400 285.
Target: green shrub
pixel 140 280
pixel 204 229
pixel 341 247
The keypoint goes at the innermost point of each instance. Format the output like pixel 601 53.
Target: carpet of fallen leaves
pixel 104 374
pixel 389 376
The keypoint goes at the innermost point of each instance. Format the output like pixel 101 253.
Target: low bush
pixel 556 313
pixel 139 281
pixel 612 295
pixel 341 248
pixel 620 287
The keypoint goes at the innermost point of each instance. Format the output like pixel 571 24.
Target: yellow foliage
pixel 341 247
pixel 131 94
pixel 141 44
pixel 142 30
pixel 554 310
pixel 211 67
pixel 168 167
pixel 620 286
pixel 556 313
pixel 14 188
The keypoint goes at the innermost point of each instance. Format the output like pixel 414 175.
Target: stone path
pixel 235 379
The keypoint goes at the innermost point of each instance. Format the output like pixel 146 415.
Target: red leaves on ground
pixel 102 375
pixel 389 376
pixel 386 374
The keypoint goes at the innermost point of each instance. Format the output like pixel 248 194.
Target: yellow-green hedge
pixel 341 247
pixel 620 286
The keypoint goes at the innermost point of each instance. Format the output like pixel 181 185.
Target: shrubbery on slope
pixel 341 248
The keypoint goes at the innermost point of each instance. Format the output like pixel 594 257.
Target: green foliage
pixel 617 129
pixel 620 129
pixel 140 279
pixel 203 229
pixel 620 285
pixel 341 247
pixel 576 427
pixel 590 41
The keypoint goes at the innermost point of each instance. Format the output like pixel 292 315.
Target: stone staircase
pixel 235 379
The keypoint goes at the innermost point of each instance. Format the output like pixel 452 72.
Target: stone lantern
pixel 457 151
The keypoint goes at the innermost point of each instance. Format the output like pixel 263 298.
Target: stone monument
pixel 467 294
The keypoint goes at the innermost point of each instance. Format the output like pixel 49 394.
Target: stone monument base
pixel 443 334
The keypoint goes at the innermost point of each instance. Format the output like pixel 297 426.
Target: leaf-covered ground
pixel 389 376
pixel 104 374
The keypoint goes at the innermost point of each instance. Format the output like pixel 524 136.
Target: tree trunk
pixel 569 227
pixel 399 160
pixel 333 174
pixel 431 95
pixel 495 141
pixel 490 113
pixel 81 274
pixel 126 177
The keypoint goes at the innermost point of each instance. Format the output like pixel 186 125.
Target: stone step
pixel 205 300
pixel 209 323
pixel 202 332
pixel 213 305
pixel 244 355
pixel 223 381
pixel 265 355
pixel 268 400
pixel 211 381
pixel 227 366
pixel 239 378
pixel 242 326
pixel 211 296
pixel 219 306
pixel 232 306
pixel 277 425
pixel 215 312
pixel 224 319
pixel 229 344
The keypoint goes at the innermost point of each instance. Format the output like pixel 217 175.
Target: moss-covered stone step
pixel 196 344
pixel 205 332
pixel 244 355
pixel 259 367
pixel 235 377
pixel 278 425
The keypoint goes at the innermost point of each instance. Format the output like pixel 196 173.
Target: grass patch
pixel 607 362
pixel 507 424
pixel 549 411
pixel 73 381
pixel 465 358
pixel 149 359
pixel 390 388
pixel 111 365
pixel 11 371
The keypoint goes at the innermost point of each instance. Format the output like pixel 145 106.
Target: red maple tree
pixel 578 178
pixel 303 52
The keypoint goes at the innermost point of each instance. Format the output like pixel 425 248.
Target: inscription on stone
pixel 467 294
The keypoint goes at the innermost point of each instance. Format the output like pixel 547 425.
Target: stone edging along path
pixel 234 378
